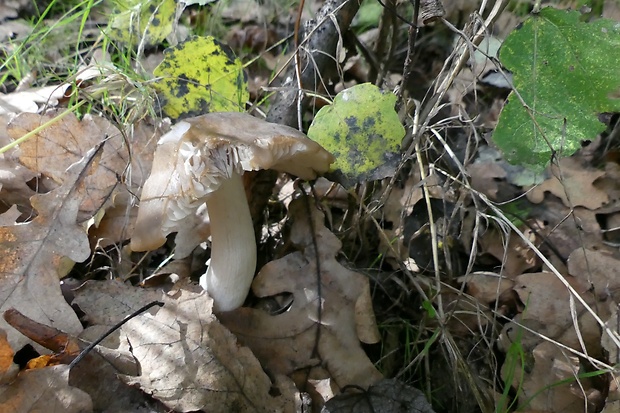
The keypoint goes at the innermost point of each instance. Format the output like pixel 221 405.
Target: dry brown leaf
pixel 486 287
pixel 98 373
pixel 598 268
pixel 289 341
pixel 108 302
pixel 13 176
pixel 189 361
pixel 44 390
pixel 567 229
pixel 516 256
pixel 539 382
pixel 8 369
pixel 576 188
pixel 548 312
pixel 33 254
pixel 485 176
pixel 387 396
pixel 66 141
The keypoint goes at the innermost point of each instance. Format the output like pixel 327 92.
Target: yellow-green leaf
pixel 363 131
pixel 146 21
pixel 200 76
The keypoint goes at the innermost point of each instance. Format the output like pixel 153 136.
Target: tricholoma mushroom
pixel 201 160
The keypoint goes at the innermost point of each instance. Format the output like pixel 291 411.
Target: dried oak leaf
pixel 576 187
pixel 33 253
pixel 598 269
pixel 97 373
pixel 289 341
pixel 540 382
pixel 13 176
pixel 485 177
pixel 387 396
pixel 64 142
pixel 548 312
pixel 515 255
pixel 108 302
pixel 44 390
pixel 189 361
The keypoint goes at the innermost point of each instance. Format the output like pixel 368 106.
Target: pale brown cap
pixel 192 160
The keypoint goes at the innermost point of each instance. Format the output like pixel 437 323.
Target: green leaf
pixel 200 76
pixel 567 72
pixel 134 20
pixel 363 131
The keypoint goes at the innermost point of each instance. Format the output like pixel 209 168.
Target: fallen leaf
pixel 8 369
pixel 573 183
pixel 198 76
pixel 598 269
pixel 515 255
pixel 343 293
pixel 548 312
pixel 485 177
pixel 387 396
pixel 65 142
pixel 189 361
pixel 44 390
pixel 109 302
pixel 540 381
pixel 33 253
pixel 485 287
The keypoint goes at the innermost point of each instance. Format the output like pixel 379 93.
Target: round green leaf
pixel 199 76
pixel 363 131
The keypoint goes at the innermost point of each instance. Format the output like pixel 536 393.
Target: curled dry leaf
pixel 346 315
pixel 189 361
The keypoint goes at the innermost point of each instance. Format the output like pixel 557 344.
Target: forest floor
pixel 443 278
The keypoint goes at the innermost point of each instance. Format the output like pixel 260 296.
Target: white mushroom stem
pixel 233 249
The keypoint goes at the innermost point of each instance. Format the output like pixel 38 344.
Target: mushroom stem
pixel 233 249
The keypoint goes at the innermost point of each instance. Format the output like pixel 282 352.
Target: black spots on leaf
pixel 337 137
pixel 182 86
pixel 152 8
pixel 352 124
pixel 356 156
pixel 241 80
pixel 227 51
pixel 369 122
pixel 519 26
pixel 205 106
pixel 155 22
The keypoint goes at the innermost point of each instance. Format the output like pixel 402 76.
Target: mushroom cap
pixel 198 154
pixel 258 144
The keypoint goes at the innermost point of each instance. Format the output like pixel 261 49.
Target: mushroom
pixel 201 160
